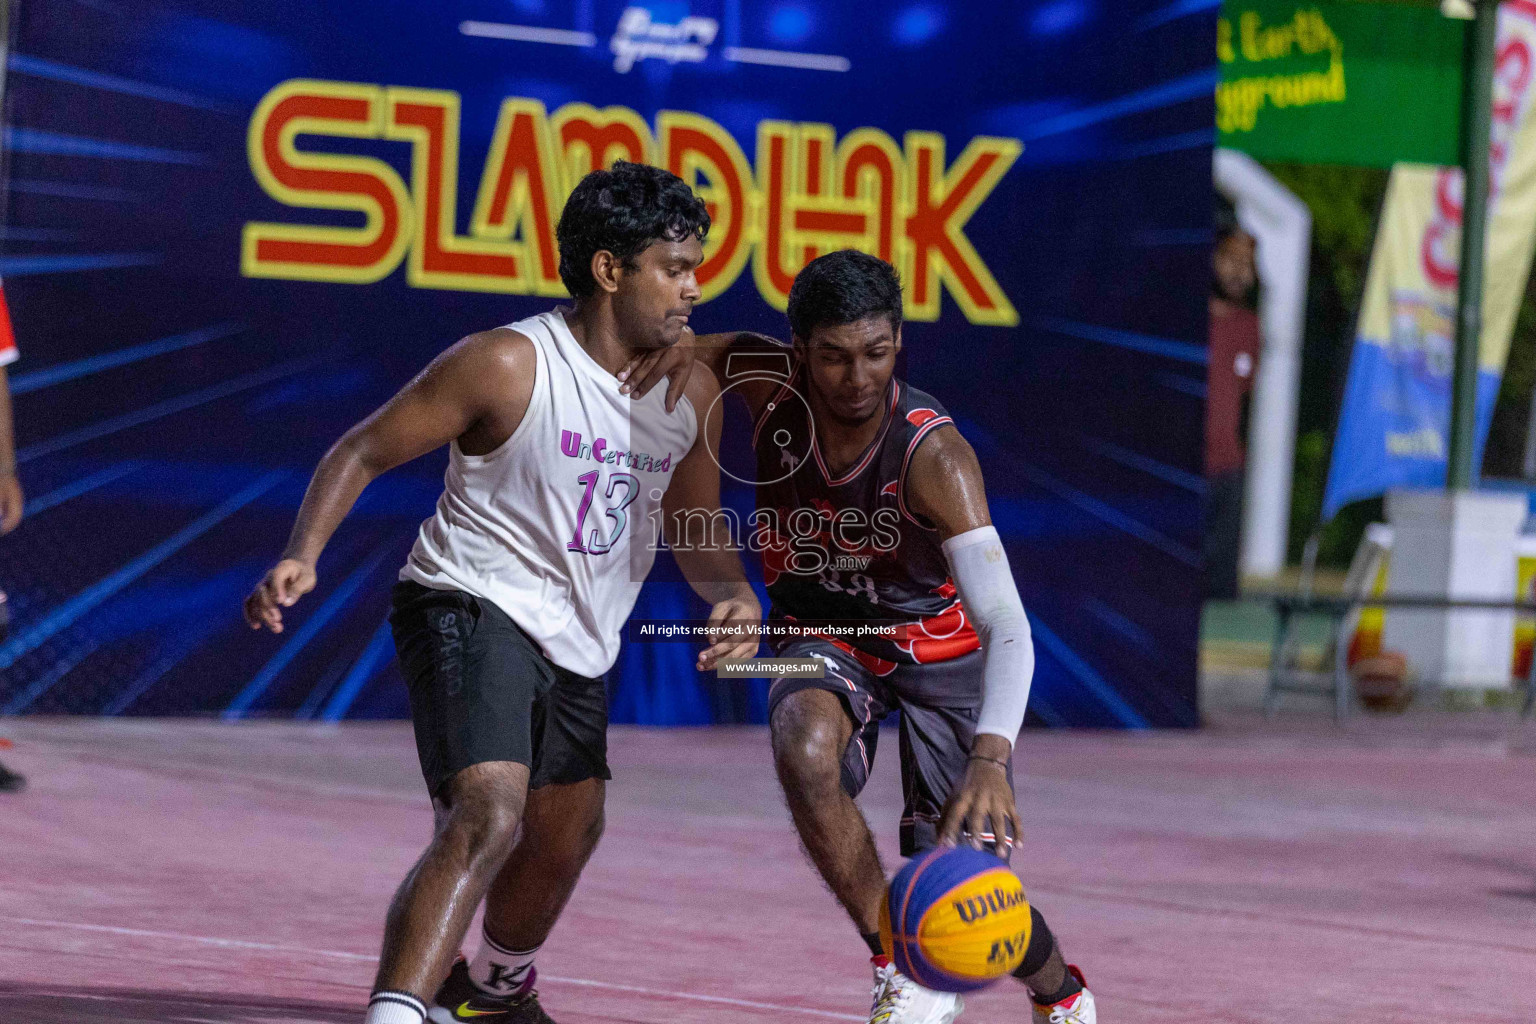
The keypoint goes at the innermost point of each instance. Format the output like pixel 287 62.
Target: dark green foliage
pixel 1345 203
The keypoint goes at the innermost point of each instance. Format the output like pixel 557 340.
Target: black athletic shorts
pixel 481 690
pixel 938 705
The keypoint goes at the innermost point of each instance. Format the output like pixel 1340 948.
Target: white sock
pixel 497 970
pixel 395 1008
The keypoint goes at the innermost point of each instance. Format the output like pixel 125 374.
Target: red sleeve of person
pixel 8 352
pixel 1234 345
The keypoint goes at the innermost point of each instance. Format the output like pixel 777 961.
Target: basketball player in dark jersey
pixel 899 532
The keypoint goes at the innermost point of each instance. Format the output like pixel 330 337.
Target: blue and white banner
pixel 1395 420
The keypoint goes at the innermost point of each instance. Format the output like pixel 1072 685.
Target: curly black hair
pixel 623 210
pixel 840 288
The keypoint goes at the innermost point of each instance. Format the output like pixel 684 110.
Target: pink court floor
pixel 191 872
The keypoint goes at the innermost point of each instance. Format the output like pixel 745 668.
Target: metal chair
pixel 1285 673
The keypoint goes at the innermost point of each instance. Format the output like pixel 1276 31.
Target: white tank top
pixel 557 527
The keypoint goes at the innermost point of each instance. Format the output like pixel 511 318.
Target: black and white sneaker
pixel 459 1000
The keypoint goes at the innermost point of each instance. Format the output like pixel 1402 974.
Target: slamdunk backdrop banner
pixel 235 228
pixel 1395 420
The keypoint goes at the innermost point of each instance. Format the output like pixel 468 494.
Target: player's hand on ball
pixel 645 371
pixel 733 625
pixel 983 803
pixel 284 583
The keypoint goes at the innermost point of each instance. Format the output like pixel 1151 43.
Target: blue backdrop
pixel 179 376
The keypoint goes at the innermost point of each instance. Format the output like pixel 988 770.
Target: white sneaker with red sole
pixel 900 1000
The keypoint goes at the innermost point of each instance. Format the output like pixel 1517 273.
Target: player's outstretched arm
pixel 944 484
pixel 707 557
pixel 645 371
pixel 482 382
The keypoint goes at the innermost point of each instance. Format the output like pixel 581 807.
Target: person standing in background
pixel 11 497
pixel 1234 359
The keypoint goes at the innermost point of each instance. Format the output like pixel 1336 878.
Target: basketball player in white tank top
pixel 509 609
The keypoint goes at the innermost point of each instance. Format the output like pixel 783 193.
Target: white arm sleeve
pixel 980 570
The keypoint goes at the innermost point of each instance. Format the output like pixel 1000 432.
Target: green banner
pixel 1339 83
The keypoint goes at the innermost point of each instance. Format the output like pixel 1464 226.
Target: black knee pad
pixel 1041 942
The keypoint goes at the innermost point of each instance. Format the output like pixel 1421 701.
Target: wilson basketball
pixel 955 920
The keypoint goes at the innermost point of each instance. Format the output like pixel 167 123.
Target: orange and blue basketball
pixel 955 920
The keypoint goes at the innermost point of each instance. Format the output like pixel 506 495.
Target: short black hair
pixel 623 210
pixel 841 288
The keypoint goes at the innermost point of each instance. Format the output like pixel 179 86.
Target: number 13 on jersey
pixel 595 543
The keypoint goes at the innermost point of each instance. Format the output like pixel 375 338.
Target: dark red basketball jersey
pixel 847 547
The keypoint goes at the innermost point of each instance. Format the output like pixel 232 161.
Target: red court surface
pixel 192 872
